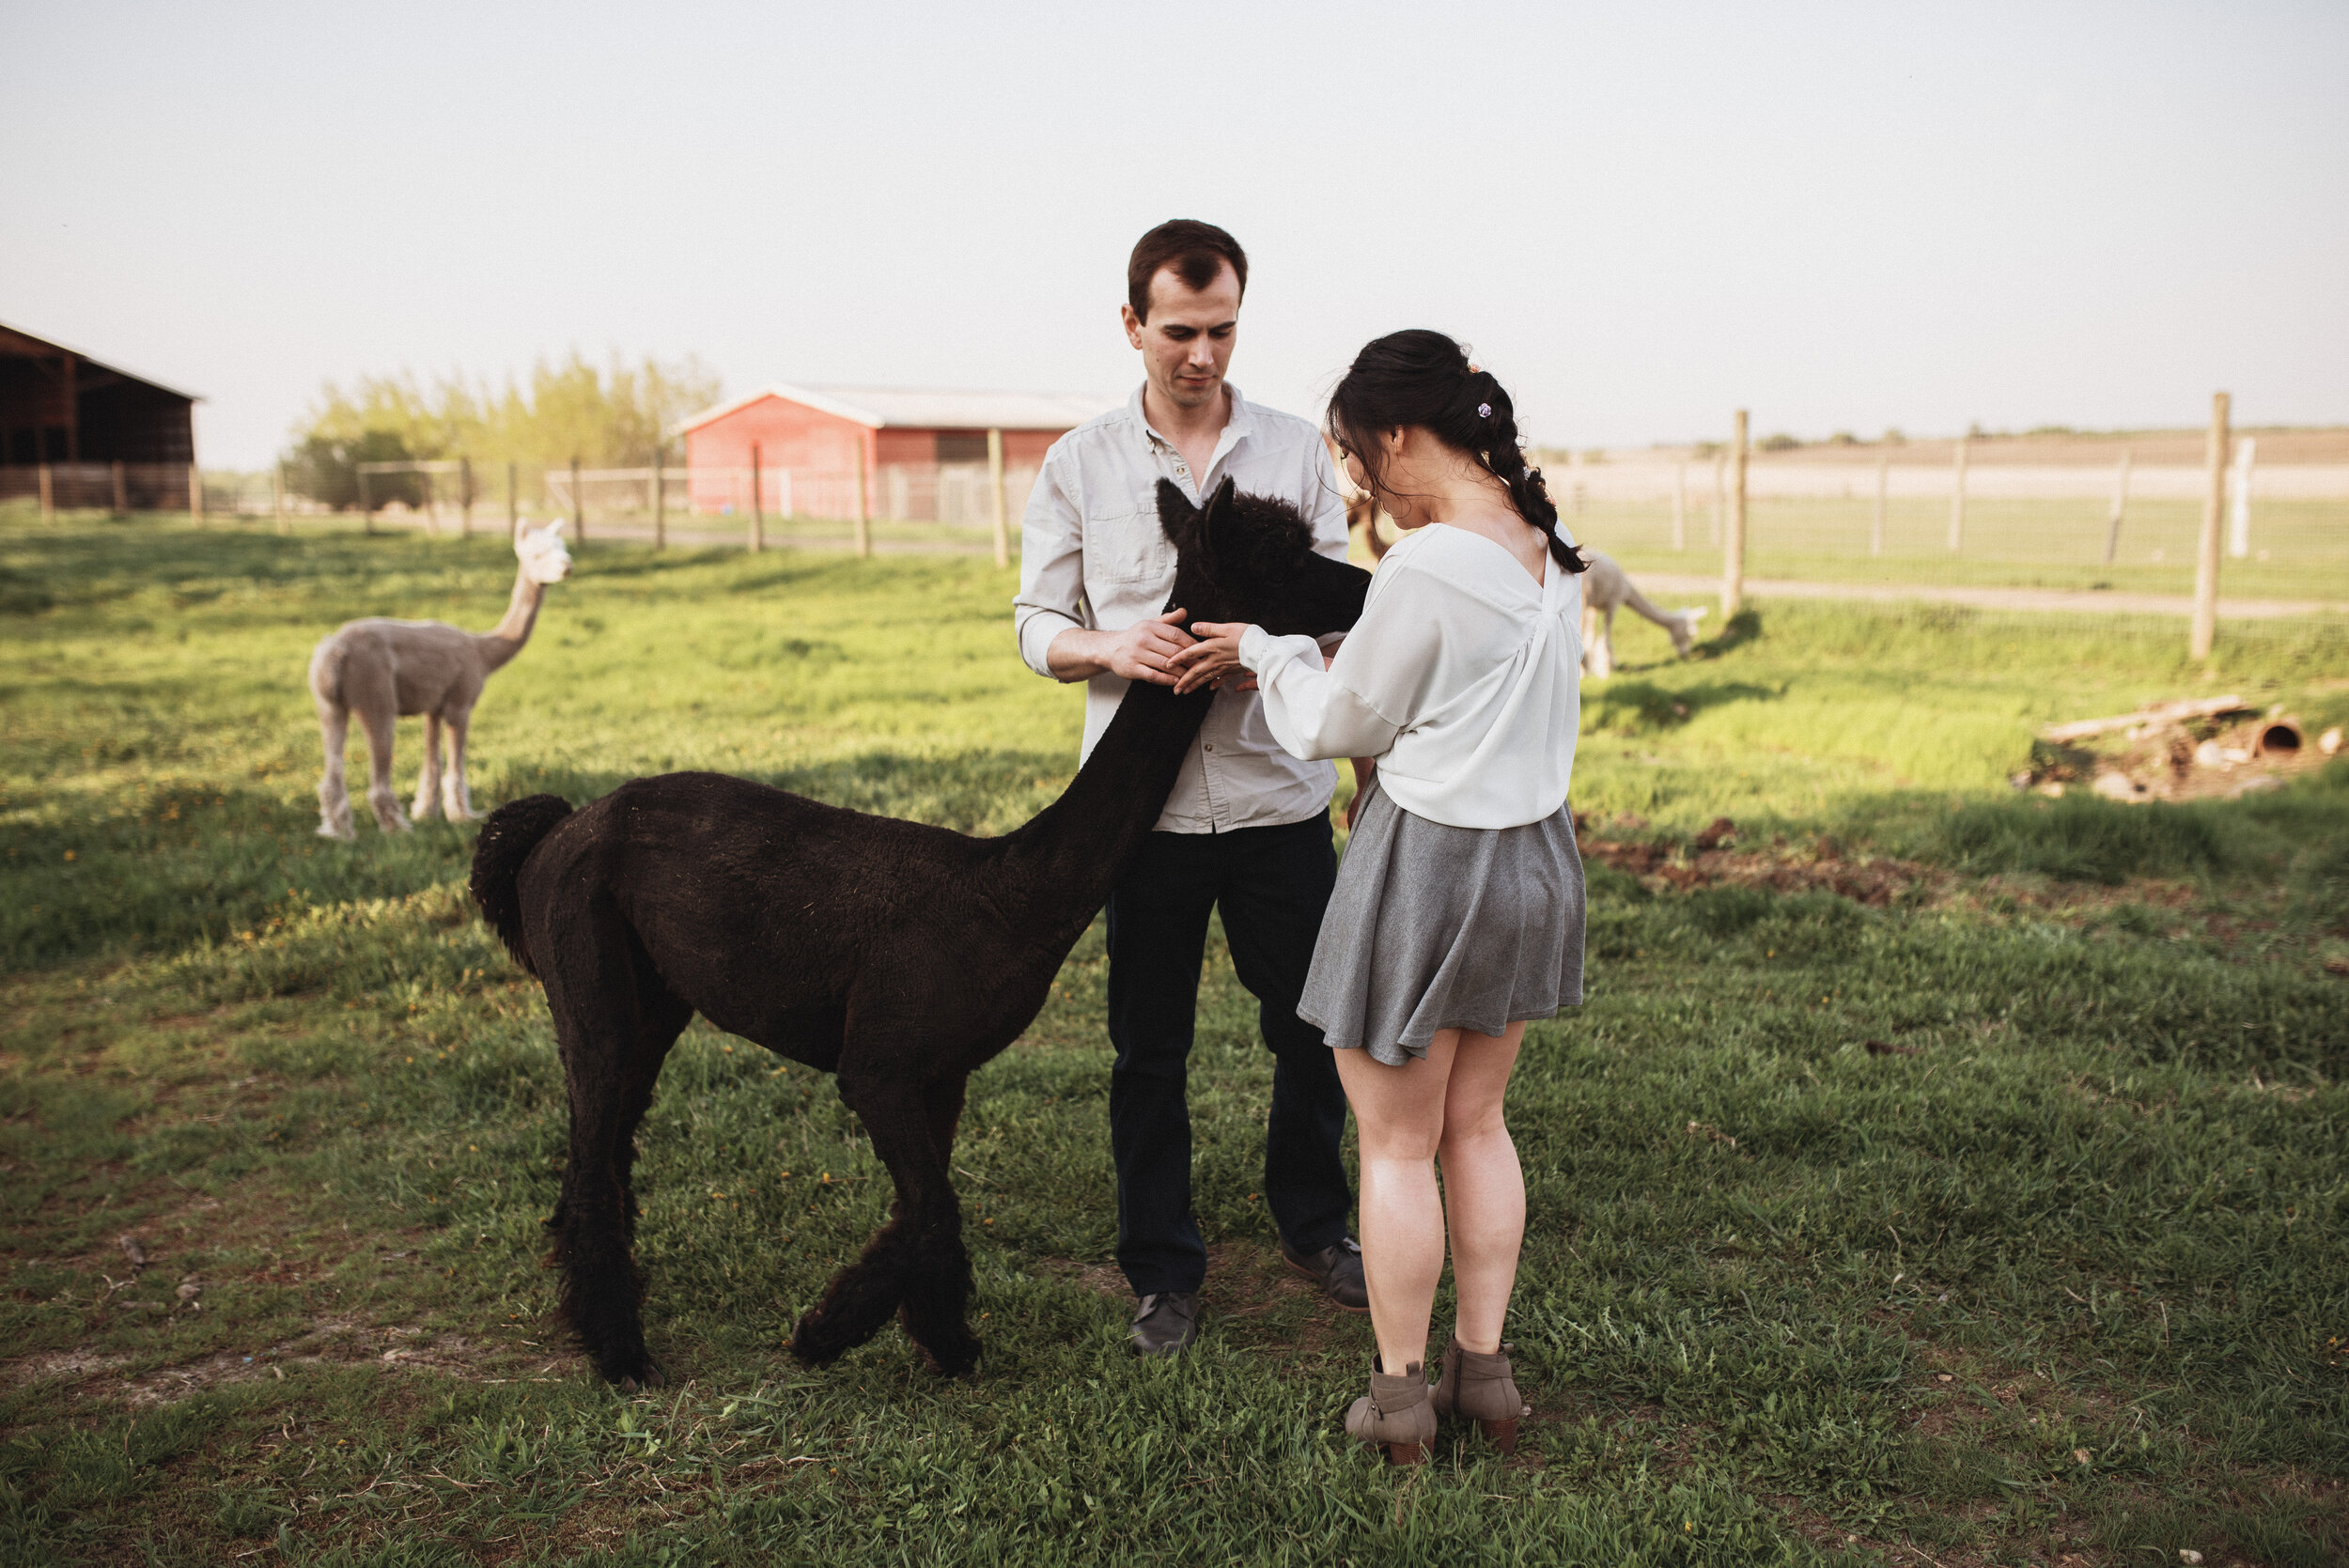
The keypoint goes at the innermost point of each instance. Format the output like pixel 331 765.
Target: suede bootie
pixel 1479 1388
pixel 1396 1415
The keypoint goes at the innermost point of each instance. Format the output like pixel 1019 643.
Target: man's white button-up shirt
pixel 1093 555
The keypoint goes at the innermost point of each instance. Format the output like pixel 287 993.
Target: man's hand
pixel 1215 656
pixel 1144 651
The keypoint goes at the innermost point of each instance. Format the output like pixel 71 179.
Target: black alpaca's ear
pixel 1180 520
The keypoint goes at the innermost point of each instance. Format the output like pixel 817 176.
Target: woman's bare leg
pixel 1484 1185
pixel 1399 1117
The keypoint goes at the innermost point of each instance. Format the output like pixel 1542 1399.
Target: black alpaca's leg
pixel 616 1023
pixel 935 1311
pixel 920 1247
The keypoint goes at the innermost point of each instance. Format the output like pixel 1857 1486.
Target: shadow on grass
pixel 92 873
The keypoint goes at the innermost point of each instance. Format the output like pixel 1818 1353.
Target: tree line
pixel 614 417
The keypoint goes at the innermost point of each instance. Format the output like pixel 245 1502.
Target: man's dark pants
pixel 1272 884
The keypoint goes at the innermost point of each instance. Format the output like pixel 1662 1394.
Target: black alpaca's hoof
pixel 952 1359
pixel 816 1342
pixel 642 1377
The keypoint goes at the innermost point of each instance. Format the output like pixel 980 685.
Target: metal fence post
pixel 1957 495
pixel 2206 627
pixel 464 497
pixel 660 509
pixel 864 502
pixel 2119 506
pixel 579 506
pixel 1734 540
pixel 995 479
pixel 48 494
pixel 758 502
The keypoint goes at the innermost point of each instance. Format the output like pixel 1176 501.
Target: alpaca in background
pixel 383 670
pixel 1605 589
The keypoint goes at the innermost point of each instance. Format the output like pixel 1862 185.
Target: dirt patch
pixel 1711 858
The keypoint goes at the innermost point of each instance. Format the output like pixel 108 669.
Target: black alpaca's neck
pixel 1058 869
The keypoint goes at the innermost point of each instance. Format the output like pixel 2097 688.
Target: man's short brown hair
pixel 1196 251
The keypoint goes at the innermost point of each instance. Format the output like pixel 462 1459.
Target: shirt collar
pixel 1240 426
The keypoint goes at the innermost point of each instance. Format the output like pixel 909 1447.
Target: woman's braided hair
pixel 1425 378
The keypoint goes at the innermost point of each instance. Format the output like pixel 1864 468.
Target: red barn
pixel 876 452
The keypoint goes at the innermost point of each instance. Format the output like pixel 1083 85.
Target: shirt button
pixel 1210 745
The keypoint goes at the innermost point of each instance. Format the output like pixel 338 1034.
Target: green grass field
pixel 2057 1278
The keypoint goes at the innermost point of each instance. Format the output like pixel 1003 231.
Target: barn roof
pixel 15 342
pixel 927 409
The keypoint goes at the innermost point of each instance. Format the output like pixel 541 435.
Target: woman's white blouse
pixel 1462 678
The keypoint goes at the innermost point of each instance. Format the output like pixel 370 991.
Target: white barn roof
pixel 928 409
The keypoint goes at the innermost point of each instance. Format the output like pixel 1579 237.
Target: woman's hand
pixel 1212 658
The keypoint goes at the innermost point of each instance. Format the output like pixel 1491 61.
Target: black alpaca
pixel 898 956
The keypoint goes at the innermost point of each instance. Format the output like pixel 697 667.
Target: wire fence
pixel 1938 523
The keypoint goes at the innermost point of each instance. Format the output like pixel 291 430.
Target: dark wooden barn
pixel 106 436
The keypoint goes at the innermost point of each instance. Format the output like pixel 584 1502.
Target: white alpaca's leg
pixel 381 798
pixel 427 802
pixel 334 790
pixel 1599 653
pixel 455 798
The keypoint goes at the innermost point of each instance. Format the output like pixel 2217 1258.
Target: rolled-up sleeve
pixel 1052 564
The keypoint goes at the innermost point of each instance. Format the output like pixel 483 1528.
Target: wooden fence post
pixel 122 489
pixel 864 502
pixel 759 503
pixel 2239 498
pixel 48 494
pixel 277 496
pixel 659 505
pixel 579 506
pixel 2120 507
pixel 366 511
pixel 995 481
pixel 1884 487
pixel 2206 627
pixel 464 497
pixel 431 503
pixel 1680 506
pixel 513 502
pixel 1957 494
pixel 196 495
pixel 1734 540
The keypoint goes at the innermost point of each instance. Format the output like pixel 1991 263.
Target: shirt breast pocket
pixel 1128 545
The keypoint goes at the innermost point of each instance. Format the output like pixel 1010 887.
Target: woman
pixel 1458 913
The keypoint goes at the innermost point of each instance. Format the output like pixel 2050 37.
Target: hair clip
pixel 1483 410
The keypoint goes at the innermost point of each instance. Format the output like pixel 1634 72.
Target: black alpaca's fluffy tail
pixel 506 840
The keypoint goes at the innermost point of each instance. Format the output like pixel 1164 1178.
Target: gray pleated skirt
pixel 1434 927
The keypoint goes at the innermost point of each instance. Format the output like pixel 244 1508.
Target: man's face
pixel 1187 342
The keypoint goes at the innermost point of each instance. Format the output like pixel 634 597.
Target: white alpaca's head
pixel 1684 629
pixel 541 552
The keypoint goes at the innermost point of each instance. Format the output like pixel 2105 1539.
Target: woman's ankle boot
pixel 1479 1388
pixel 1396 1415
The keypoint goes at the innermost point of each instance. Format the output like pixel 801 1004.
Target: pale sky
pixel 1642 217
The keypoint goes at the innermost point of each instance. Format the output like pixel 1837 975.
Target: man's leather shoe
pixel 1166 1324
pixel 1337 1269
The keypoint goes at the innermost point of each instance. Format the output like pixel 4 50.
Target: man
pixel 1247 827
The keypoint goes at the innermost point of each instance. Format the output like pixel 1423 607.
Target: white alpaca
pixel 384 670
pixel 1604 590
